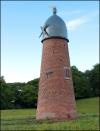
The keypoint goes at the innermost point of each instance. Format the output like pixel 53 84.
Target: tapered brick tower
pixel 56 100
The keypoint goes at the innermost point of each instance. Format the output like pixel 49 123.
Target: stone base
pixel 57 117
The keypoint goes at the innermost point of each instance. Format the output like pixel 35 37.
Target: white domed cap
pixel 54 27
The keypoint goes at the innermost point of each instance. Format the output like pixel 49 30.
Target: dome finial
pixel 54 10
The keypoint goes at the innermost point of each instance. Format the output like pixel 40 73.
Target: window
pixel 66 72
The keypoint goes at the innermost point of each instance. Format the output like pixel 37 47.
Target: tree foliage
pixel 24 95
pixel 5 95
pixel 93 77
pixel 80 83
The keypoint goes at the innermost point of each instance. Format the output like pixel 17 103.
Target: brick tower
pixel 56 99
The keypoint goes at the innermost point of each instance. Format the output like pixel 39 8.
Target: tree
pixel 28 97
pixel 80 83
pixel 24 95
pixel 5 95
pixel 93 77
pixel 33 91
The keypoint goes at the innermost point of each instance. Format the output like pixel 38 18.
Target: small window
pixel 66 72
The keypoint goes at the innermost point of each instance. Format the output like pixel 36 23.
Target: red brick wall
pixel 56 94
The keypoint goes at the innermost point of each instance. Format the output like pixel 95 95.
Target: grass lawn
pixel 24 119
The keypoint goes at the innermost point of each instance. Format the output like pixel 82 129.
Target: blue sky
pixel 21 48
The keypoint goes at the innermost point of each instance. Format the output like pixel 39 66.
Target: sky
pixel 21 47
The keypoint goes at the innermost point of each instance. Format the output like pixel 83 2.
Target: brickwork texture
pixel 56 100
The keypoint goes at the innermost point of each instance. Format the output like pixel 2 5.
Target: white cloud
pixel 74 24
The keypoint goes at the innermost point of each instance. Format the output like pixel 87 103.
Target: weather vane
pixel 54 9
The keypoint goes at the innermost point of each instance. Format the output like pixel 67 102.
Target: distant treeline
pixel 24 95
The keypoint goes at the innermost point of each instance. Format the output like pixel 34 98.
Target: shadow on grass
pixel 32 120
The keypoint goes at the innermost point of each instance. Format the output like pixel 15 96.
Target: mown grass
pixel 24 119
